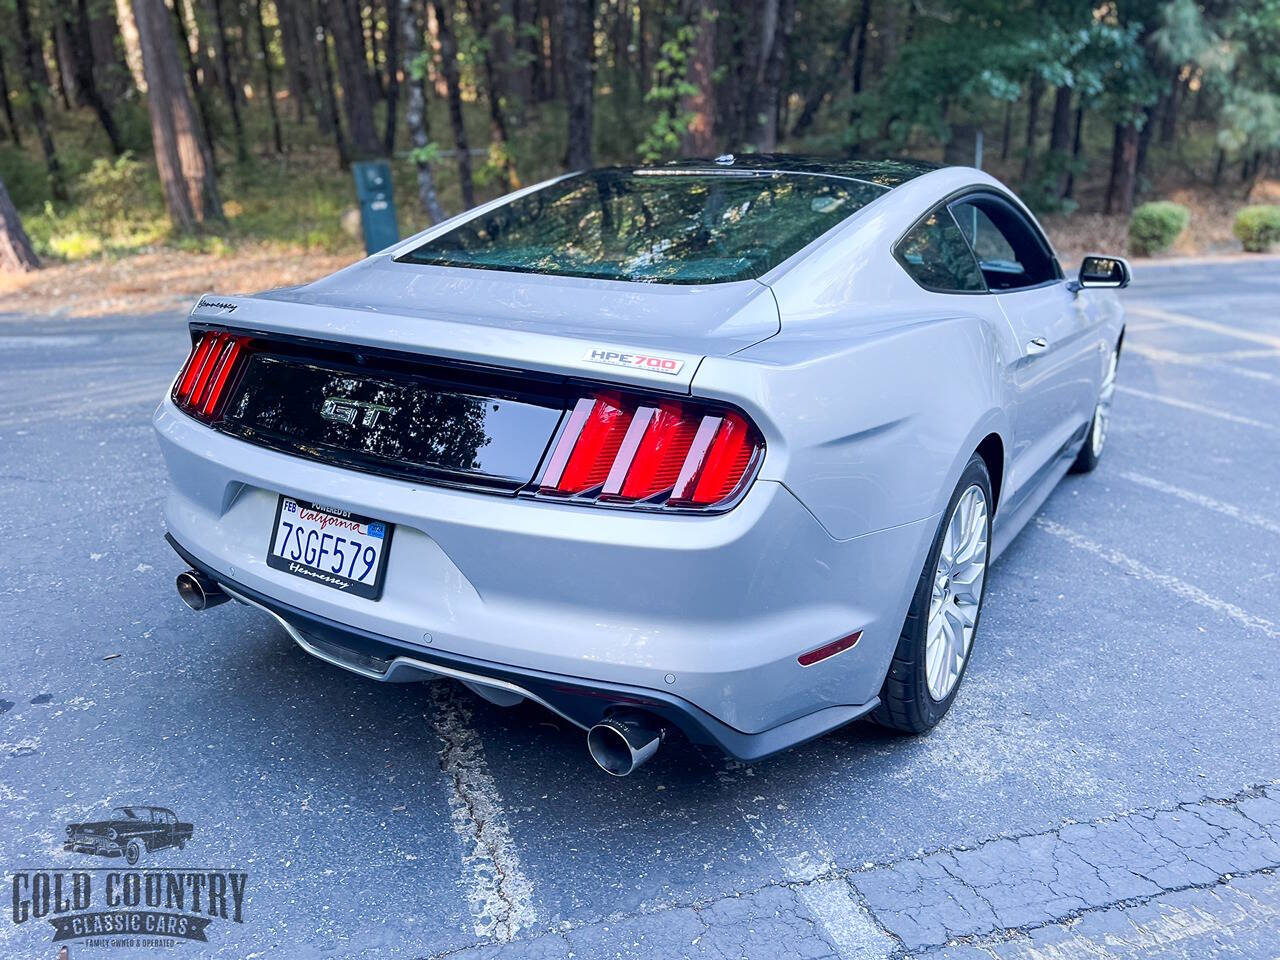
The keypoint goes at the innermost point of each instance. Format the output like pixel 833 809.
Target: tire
pixel 133 852
pixel 1099 425
pixel 907 702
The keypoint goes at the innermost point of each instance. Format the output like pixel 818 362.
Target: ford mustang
pixel 720 446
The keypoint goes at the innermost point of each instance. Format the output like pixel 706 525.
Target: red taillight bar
pixel 201 385
pixel 616 449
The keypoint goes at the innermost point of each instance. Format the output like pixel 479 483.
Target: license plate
pixel 330 546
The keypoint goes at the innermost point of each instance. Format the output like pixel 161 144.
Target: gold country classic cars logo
pixel 128 903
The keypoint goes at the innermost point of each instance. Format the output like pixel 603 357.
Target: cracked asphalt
pixel 1107 785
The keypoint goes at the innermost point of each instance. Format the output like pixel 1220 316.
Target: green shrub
pixel 1154 226
pixel 1258 227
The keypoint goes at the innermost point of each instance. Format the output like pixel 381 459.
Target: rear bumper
pixel 699 618
pixel 581 702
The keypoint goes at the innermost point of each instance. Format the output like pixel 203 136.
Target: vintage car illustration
pixel 129 832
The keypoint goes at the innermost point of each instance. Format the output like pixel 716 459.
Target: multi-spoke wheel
pixel 937 637
pixel 1090 453
pixel 957 593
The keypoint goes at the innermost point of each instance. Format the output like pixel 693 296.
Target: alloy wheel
pixel 1102 412
pixel 957 592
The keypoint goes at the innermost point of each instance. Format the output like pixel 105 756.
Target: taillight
pixel 201 386
pixel 618 449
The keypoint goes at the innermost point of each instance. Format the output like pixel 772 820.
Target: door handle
pixel 1037 345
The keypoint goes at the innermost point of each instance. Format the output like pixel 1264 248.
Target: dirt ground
pixel 172 279
pixel 154 282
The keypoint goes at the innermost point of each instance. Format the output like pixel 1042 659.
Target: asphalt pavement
pixel 1106 786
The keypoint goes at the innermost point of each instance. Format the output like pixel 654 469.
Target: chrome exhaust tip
pixel 622 741
pixel 199 592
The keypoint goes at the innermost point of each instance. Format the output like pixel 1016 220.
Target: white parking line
pixel 1248 354
pixel 1210 362
pixel 1182 320
pixel 805 860
pixel 1197 408
pixel 1200 500
pixel 498 892
pixel 1181 588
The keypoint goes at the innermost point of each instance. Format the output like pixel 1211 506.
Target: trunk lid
pixel 649 334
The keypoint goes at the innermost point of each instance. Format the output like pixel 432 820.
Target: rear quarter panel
pixel 870 432
pixel 875 392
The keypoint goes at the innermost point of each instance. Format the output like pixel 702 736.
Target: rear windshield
pixel 658 227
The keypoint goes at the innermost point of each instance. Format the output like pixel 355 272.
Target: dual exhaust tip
pixel 622 741
pixel 619 743
pixel 198 591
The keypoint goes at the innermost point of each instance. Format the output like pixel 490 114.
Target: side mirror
pixel 1099 271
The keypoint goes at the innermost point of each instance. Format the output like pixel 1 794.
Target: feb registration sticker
pixel 649 362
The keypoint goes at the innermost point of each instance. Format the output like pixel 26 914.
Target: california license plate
pixel 330 546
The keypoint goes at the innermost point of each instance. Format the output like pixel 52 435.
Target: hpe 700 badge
pixel 635 361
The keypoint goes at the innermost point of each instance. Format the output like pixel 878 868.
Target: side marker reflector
pixel 828 650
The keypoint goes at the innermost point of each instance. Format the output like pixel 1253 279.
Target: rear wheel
pixel 1091 452
pixel 937 637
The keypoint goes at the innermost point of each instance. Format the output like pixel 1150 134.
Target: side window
pixel 937 257
pixel 1010 250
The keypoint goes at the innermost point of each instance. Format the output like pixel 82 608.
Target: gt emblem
pixel 346 411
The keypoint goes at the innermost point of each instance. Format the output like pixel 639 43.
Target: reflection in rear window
pixel 659 227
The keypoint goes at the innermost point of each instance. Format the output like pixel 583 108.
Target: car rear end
pixel 516 483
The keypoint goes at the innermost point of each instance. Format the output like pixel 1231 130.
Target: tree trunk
pixel 1257 171
pixel 1006 131
pixel 182 158
pixel 579 60
pixel 393 75
pixel 415 118
pixel 294 62
pixel 1033 125
pixel 77 27
pixel 481 21
pixel 353 70
pixel 860 49
pixel 111 73
pixel 1169 117
pixel 1077 145
pixel 16 254
pixel 64 63
pixel 1124 165
pixel 369 46
pixel 824 80
pixel 776 32
pixel 271 86
pixel 193 74
pixel 132 44
pixel 229 80
pixel 332 120
pixel 698 139
pixel 449 67
pixel 1060 138
pixel 8 104
pixel 32 67
pixel 1144 143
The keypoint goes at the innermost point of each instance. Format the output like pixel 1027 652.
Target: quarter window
pixel 937 257
pixel 1010 251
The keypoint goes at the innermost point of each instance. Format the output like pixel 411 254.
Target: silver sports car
pixel 724 447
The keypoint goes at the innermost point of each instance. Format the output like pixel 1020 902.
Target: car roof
pixel 886 172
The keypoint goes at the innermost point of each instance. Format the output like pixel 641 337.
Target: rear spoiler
pixel 517 350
